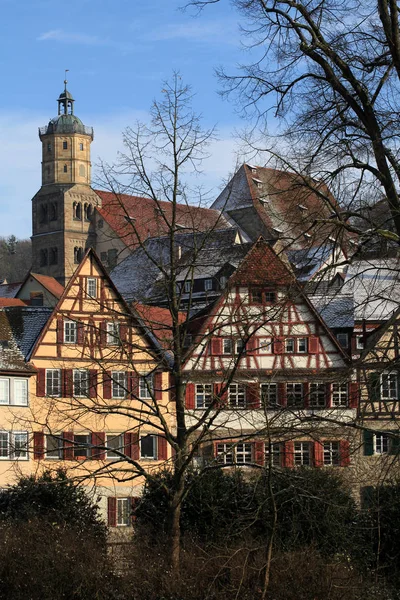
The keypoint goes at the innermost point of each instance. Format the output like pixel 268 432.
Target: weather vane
pixel 65 77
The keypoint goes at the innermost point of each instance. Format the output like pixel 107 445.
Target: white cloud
pixel 83 39
pixel 199 31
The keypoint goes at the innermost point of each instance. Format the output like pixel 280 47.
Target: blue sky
pixel 118 52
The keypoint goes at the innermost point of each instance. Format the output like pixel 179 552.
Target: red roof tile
pixel 159 322
pixel 262 266
pixel 135 219
pixel 12 302
pixel 51 284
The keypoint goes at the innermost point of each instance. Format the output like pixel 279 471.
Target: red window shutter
pixel 344 453
pixel 123 332
pixel 318 454
pixel 282 398
pixel 79 332
pixel 216 346
pixel 353 394
pixel 190 401
pixel 162 452
pixel 252 345
pixel 67 442
pixel 288 457
pixel 259 453
pixel 92 383
pixel 107 385
pixel 103 333
pixel 253 395
pixel 41 382
pixel 60 330
pixel 172 389
pixel 38 445
pixel 221 394
pixel 128 444
pixel 158 386
pixel 98 438
pixel 306 395
pixel 133 385
pixel 112 512
pixel 313 344
pixel 328 395
pixel 278 345
pixel 135 448
pixel 67 383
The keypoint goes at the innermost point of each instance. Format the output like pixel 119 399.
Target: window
pixel 339 394
pixel 115 444
pixel 20 392
pixel 65 169
pixel 222 281
pixel 389 386
pixel 237 395
pixel 274 453
pixel 302 454
pixel 146 387
pixel 4 391
pixel 228 454
pixel 43 214
pixel 91 287
pixel 82 171
pixel 87 212
pixel 227 346
pixel 65 145
pixel 289 345
pixel 343 339
pixel 81 383
pixel 270 297
pixel 269 394
pixel 78 255
pixel 77 211
pixel 118 384
pixel 359 342
pixel 331 453
pixel 70 332
pixel 256 296
pixel 260 296
pixel 187 287
pixel 294 394
pixel 82 446
pixel 317 395
pixel 124 509
pixel 53 382
pixel 265 345
pixel 13 445
pixel 208 285
pixel 203 395
pixel 113 337
pixel 302 345
pixel 53 256
pixel 148 447
pixel 81 146
pixel 53 212
pixel 382 443
pixel 48 147
pixel 53 446
pixel 43 257
pixel 239 346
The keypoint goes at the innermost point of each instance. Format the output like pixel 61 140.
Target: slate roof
pixel 337 311
pixel 11 357
pixel 26 324
pixel 306 262
pixel 137 275
pixel 9 290
pixel 278 205
pixel 375 285
pixel 134 218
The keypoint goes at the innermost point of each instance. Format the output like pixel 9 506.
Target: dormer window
pixel 302 207
pixel 187 287
pixel 208 285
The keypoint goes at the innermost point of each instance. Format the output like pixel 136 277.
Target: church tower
pixel 63 209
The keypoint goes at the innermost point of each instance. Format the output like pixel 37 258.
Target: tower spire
pixel 65 99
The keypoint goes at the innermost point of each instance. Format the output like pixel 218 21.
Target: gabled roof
pixel 336 310
pixel 278 204
pixel 9 290
pixel 11 357
pixel 26 324
pixel 159 322
pixel 374 337
pixel 49 283
pixel 134 218
pixel 11 302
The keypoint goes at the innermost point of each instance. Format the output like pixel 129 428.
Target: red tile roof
pixel 159 322
pixel 51 284
pixel 262 266
pixel 135 219
pixel 11 302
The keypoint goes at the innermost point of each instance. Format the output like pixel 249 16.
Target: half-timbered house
pixel 274 380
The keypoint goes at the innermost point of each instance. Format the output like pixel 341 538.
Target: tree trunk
pixel 174 527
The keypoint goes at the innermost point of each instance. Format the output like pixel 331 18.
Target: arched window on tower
pixel 43 213
pixel 82 171
pixel 87 211
pixel 77 211
pixel 53 212
pixel 65 169
pixel 43 257
pixel 78 254
pixel 53 256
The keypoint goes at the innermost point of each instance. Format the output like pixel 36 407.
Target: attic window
pixel 264 200
pixel 130 219
pixel 331 239
pixel 277 230
pixel 302 207
pixel 180 226
pixel 307 235
pixel 4 344
pixel 257 182
pixel 252 168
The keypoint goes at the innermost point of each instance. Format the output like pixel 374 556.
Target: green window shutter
pixel 395 443
pixel 368 443
pixel 374 387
